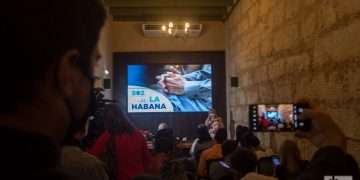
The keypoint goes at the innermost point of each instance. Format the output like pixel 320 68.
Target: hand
pixel 324 131
pixel 175 84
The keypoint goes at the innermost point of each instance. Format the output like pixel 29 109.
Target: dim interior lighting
pixel 176 30
pixel 106 72
pixel 187 25
pixel 163 28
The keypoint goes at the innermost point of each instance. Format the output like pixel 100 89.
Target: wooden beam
pixel 162 19
pixel 168 11
pixel 168 3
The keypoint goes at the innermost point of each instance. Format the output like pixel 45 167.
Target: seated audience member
pixel 215 126
pixel 146 177
pixel 331 159
pixel 162 126
pixel 174 170
pixel 244 162
pixel 291 164
pixel 240 132
pixel 252 142
pixel 124 142
pixel 48 58
pixel 221 169
pixel 202 142
pixel 76 163
pixel 213 122
pixel 213 153
pixel 164 139
pixel 211 116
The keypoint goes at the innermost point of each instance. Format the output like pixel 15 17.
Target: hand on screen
pixel 324 131
pixel 175 84
pixel 172 83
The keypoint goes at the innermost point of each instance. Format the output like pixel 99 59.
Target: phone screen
pixel 276 161
pixel 275 117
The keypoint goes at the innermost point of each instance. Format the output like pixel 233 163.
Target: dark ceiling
pixel 159 10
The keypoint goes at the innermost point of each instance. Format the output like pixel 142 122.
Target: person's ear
pixel 67 72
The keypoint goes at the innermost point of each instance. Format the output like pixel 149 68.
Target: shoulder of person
pixel 81 157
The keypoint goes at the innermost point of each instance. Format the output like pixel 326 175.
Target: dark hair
pixel 250 141
pixel 164 141
pixel 289 152
pixel 240 132
pixel 116 121
pixel 221 135
pixel 146 177
pixel 243 161
pixel 203 133
pixel 36 34
pixel 75 127
pixel 228 147
pixel 331 160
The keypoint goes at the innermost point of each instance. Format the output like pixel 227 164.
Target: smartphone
pixel 277 117
pixel 276 161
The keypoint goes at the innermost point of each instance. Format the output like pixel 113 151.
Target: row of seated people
pixel 121 153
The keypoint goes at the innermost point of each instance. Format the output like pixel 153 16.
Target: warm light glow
pixel 163 28
pixel 170 31
pixel 106 72
pixel 186 30
pixel 171 24
pixel 187 25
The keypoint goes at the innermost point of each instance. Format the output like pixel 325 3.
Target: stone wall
pixel 283 50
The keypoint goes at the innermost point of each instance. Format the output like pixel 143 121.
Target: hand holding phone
pixel 323 131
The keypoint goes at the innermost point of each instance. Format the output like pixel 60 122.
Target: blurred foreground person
pixel 48 62
pixel 76 163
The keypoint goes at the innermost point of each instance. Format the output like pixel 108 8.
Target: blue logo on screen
pixel 138 93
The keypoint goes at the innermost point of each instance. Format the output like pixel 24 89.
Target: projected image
pixel 169 88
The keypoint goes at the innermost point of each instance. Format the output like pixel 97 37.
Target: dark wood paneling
pixel 184 124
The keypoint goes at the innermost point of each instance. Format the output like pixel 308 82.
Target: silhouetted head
pixel 243 161
pixel 116 121
pixel 203 133
pixel 331 161
pixel 228 147
pixel 221 135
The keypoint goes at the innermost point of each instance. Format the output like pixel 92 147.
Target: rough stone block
pixel 347 7
pixel 276 15
pixel 287 37
pixel 266 93
pixel 298 64
pixel 276 69
pixel 293 8
pixel 327 14
pixel 253 96
pixel 264 7
pixel 309 25
pixel 282 92
pixel 339 45
pixel 253 15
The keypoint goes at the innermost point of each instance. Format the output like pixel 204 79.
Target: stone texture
pixel 347 7
pixel 339 45
pixel 287 37
pixel 287 50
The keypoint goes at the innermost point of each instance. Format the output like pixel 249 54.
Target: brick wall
pixel 283 50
